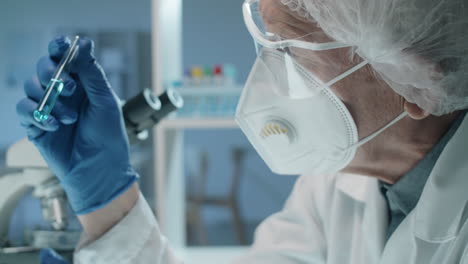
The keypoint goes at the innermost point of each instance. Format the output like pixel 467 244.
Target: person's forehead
pixel 288 24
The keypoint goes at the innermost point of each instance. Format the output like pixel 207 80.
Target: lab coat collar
pixel 353 185
pixel 439 212
pixel 366 190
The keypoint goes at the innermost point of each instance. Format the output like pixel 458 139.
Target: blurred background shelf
pixel 209 101
pixel 207 122
pixel 204 90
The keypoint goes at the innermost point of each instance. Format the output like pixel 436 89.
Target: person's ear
pixel 414 111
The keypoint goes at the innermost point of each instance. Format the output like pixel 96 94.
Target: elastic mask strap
pixel 376 133
pixel 346 73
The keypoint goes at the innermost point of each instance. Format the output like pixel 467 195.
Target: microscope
pixel 140 113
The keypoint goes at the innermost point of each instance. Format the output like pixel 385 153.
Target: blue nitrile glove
pixel 49 256
pixel 84 140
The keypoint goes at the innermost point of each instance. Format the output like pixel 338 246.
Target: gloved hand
pixel 49 256
pixel 84 140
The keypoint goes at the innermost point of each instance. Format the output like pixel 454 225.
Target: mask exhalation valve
pixel 278 132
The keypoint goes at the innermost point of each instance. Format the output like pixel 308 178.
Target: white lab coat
pixel 335 219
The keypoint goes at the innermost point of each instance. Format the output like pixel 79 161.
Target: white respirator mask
pixel 291 116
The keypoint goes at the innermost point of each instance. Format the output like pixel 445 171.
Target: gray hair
pixel 419 47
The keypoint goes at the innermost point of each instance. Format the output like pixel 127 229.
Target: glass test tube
pixel 55 86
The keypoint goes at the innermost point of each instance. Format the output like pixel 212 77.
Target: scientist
pixel 364 99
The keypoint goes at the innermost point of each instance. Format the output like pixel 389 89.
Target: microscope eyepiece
pixel 141 107
pixel 170 101
pixel 145 110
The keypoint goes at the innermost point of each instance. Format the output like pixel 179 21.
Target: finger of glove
pixel 25 110
pixel 46 68
pixel 92 76
pixel 49 256
pixel 63 112
pixel 58 47
pixel 33 132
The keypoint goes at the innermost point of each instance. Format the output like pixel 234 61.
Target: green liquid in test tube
pixel 55 86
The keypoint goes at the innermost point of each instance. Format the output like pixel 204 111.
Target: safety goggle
pixel 258 30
